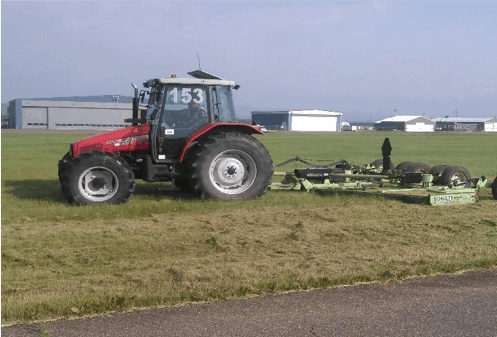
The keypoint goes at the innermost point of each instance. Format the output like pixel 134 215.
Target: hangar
pixel 406 123
pixel 299 120
pixel 466 124
pixel 35 114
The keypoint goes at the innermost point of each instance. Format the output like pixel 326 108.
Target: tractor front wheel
pixel 231 166
pixel 96 178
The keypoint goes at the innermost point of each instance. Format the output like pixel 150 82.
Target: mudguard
pixel 241 127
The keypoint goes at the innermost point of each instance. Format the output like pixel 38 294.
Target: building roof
pixel 315 112
pixel 302 112
pixel 462 120
pixel 401 119
pixel 83 99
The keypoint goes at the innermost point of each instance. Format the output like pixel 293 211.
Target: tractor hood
pixel 133 138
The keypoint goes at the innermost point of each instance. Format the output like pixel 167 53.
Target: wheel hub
pixel 459 179
pixel 232 171
pixel 98 184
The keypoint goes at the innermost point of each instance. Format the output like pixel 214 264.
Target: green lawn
pixel 30 187
pixel 165 248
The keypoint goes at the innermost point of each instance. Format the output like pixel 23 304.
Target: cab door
pixel 184 111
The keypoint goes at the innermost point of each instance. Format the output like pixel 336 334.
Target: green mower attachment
pixel 413 182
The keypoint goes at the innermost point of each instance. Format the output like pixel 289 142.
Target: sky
pixel 368 60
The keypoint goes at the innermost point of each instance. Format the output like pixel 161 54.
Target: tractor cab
pixel 180 107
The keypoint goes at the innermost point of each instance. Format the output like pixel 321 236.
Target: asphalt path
pixel 447 305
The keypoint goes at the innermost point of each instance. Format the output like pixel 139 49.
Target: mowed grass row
pixel 30 187
pixel 164 248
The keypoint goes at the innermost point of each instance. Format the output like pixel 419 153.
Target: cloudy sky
pixel 364 59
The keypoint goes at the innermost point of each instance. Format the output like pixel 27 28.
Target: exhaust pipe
pixel 135 106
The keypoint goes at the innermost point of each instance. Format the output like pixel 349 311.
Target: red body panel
pixel 249 128
pixel 133 138
pixel 136 138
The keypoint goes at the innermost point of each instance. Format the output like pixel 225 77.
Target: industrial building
pixel 406 123
pixel 35 114
pixel 466 124
pixel 299 120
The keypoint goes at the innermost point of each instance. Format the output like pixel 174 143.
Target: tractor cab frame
pixel 177 108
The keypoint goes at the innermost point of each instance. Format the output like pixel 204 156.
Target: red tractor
pixel 187 133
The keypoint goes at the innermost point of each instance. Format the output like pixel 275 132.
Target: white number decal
pixel 174 92
pixel 186 96
pixel 200 98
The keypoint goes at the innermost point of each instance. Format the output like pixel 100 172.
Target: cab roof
pixel 200 78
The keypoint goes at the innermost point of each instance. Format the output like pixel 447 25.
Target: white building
pixel 491 125
pixel 299 120
pixel 406 123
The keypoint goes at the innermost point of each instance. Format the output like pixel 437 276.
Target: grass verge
pixel 69 268
pixel 163 248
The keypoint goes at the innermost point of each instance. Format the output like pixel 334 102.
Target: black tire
pixel 456 175
pixel 419 168
pixel 183 180
pixel 404 166
pixel 96 178
pixel 494 188
pixel 182 184
pixel 231 166
pixel 438 170
pixel 379 164
pixel 63 162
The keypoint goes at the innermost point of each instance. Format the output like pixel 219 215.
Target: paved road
pixel 463 305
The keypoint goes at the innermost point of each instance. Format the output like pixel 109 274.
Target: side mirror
pixel 142 95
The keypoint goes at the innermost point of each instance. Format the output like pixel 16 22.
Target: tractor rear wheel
pixel 96 178
pixel 494 189
pixel 183 180
pixel 457 176
pixel 182 184
pixel 231 166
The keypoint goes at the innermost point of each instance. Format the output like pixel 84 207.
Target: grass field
pixel 164 248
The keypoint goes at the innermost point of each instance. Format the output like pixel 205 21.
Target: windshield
pixel 179 97
pixel 184 110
